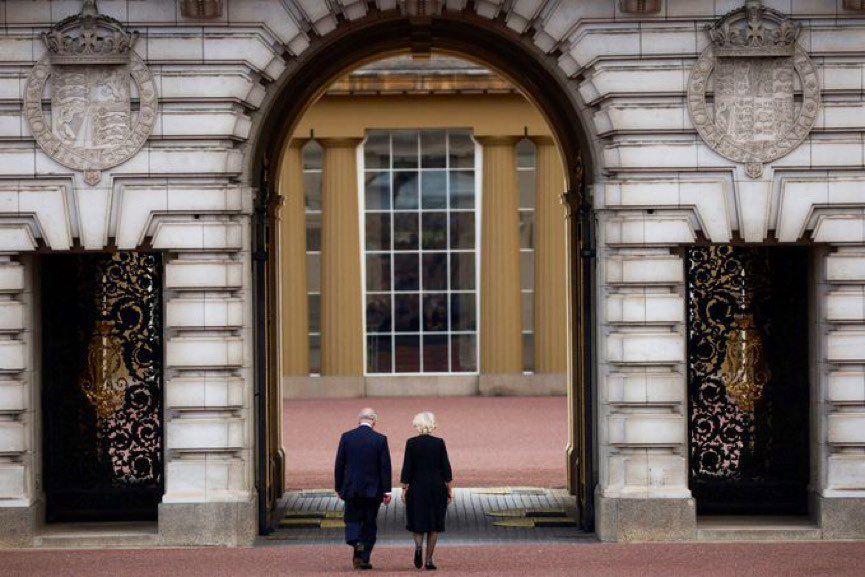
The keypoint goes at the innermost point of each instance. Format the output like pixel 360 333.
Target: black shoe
pixel 430 566
pixel 357 557
pixel 365 566
pixel 418 557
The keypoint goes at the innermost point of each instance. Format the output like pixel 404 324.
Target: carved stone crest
pixel 755 67
pixel 93 75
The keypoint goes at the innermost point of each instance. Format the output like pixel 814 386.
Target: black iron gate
pixel 748 379
pixel 102 385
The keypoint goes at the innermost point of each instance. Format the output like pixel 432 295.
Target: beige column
pixel 341 307
pixel 550 261
pixel 292 255
pixel 501 319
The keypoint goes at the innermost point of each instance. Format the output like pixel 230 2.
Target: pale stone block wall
pixel 656 187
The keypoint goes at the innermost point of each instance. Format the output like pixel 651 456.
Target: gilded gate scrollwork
pixel 102 347
pixel 747 378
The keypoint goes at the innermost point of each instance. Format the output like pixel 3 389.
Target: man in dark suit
pixel 363 480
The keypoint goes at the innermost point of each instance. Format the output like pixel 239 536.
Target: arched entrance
pixel 537 75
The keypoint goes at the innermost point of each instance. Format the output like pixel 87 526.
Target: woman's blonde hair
pixel 424 422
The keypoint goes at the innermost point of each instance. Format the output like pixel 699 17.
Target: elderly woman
pixel 426 482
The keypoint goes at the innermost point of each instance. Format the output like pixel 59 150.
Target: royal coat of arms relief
pixel 754 68
pixel 90 75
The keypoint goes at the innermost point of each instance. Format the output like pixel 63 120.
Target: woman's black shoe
pixel 418 557
pixel 430 566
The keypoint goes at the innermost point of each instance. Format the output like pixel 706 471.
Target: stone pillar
pixel 292 255
pixel 209 430
pixel 501 318
pixel 551 322
pixel 838 341
pixel 341 294
pixel 18 398
pixel 642 492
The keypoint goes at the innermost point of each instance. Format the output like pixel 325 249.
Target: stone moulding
pixel 755 119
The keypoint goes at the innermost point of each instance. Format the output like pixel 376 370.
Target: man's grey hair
pixel 367 415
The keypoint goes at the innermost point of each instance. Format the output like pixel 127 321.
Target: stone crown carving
pixel 89 38
pixel 754 30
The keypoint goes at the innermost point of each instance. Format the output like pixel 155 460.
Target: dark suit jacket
pixel 362 464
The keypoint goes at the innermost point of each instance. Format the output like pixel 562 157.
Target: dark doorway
pixel 748 379
pixel 102 386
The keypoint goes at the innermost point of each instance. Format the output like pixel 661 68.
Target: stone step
pixel 101 536
pixel 759 532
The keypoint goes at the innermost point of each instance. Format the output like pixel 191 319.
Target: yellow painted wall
pixel 487 115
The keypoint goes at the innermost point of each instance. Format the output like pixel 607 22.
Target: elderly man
pixel 363 480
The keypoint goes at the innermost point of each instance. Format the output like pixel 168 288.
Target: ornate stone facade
pixel 91 68
pixel 656 184
pixel 757 66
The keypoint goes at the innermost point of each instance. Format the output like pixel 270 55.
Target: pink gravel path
pixel 492 441
pixel 586 560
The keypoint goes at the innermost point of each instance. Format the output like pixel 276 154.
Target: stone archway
pixel 541 79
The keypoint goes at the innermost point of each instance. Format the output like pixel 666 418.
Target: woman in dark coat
pixel 426 483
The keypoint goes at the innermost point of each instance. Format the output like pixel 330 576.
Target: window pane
pixel 435 353
pixel 462 150
pixel 435 272
pixel 376 190
pixel 405 272
pixel 314 304
pixel 528 188
pixel 405 231
pixel 463 189
pixel 463 271
pixel 378 313
pixel 525 153
pixel 527 270
pixel 434 230
pixel 434 189
pixel 435 312
pixel 462 230
pixel 432 145
pixel 528 311
pixel 406 313
pixel 405 190
pixel 313 272
pixel 527 228
pixel 312 190
pixel 377 231
pixel 313 231
pixel 407 353
pixel 463 353
pixel 315 354
pixel 377 272
pixel 463 314
pixel 404 149
pixel 311 156
pixel 378 354
pixel 528 352
pixel 376 150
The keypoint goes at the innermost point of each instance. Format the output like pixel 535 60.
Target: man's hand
pixel 341 498
pixel 386 499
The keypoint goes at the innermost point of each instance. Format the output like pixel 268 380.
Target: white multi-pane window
pixel 312 162
pixel 420 251
pixel 527 178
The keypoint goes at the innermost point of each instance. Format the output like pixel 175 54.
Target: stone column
pixel 210 496
pixel 341 307
pixel 551 323
pixel 19 397
pixel 292 256
pixel 501 319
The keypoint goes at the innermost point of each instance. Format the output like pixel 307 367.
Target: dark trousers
pixel 360 526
